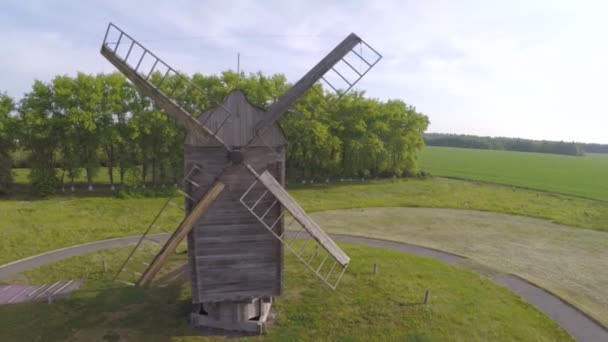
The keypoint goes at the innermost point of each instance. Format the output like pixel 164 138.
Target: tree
pixel 91 121
pixel 7 142
pixel 116 97
pixel 87 118
pixel 38 133
pixel 64 100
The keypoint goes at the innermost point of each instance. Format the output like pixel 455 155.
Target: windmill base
pixel 245 316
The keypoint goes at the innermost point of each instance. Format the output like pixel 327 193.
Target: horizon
pixel 532 70
pixel 514 137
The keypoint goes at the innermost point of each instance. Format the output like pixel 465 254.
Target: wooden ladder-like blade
pixel 277 109
pixel 301 217
pixel 145 86
pixel 180 233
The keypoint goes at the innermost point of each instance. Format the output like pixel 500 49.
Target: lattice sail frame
pixel 145 63
pixel 308 243
pixel 345 74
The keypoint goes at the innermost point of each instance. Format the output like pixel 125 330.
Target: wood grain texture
pixel 234 121
pixel 231 254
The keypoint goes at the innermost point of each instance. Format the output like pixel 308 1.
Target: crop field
pixel 581 176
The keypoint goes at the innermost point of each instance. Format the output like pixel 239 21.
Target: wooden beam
pixel 169 106
pixel 180 233
pixel 306 221
pixel 278 108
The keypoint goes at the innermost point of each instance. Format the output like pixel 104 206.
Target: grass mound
pixel 385 306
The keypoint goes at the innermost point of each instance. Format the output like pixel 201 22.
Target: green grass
pixel 21 176
pixel 463 306
pixel 31 227
pixel 457 194
pixel 568 261
pixel 581 176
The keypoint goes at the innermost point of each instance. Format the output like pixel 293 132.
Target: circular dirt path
pixel 576 322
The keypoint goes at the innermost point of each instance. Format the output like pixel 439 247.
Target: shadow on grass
pixel 110 313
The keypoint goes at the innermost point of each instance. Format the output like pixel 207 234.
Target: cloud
pixel 520 68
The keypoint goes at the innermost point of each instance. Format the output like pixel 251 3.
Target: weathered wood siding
pixel 237 128
pixel 232 256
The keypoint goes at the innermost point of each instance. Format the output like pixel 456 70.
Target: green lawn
pixel 31 227
pixel 457 194
pixel 582 176
pixel 568 261
pixel 21 176
pixel 463 305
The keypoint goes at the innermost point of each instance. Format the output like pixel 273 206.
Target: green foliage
pixel 39 130
pixel 81 123
pixel 582 176
pixel 7 142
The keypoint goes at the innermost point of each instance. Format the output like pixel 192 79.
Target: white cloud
pixel 520 68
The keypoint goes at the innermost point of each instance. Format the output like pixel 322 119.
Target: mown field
pixel 581 176
pixel 29 227
pixel 567 261
pixel 387 306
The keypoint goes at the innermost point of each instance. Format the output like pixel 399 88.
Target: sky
pixel 530 69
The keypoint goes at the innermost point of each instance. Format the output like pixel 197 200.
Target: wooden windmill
pixel 238 216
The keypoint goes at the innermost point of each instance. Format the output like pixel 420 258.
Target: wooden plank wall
pixel 232 256
pixel 239 127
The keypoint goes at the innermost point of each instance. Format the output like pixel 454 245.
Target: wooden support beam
pixel 180 233
pixel 170 107
pixel 306 221
pixel 277 109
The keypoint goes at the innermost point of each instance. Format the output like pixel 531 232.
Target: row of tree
pixel 84 123
pixel 510 144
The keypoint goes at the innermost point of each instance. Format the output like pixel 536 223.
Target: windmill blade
pixel 323 247
pixel 138 64
pixel 339 55
pixel 180 233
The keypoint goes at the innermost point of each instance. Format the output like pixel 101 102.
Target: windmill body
pixel 235 264
pixel 236 203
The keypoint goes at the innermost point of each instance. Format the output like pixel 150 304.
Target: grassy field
pixel 388 306
pixel 568 261
pixel 581 176
pixel 31 227
pixel 21 176
pixel 450 193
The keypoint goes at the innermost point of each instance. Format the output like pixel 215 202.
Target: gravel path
pixel 577 323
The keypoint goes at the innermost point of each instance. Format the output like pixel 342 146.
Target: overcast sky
pixel 532 69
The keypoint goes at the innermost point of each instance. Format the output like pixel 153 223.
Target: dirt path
pixel 577 323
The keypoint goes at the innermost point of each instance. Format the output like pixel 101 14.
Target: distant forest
pixel 512 144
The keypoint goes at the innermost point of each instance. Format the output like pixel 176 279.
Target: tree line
pixel 89 123
pixel 512 144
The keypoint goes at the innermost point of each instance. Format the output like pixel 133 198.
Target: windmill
pixel 239 219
